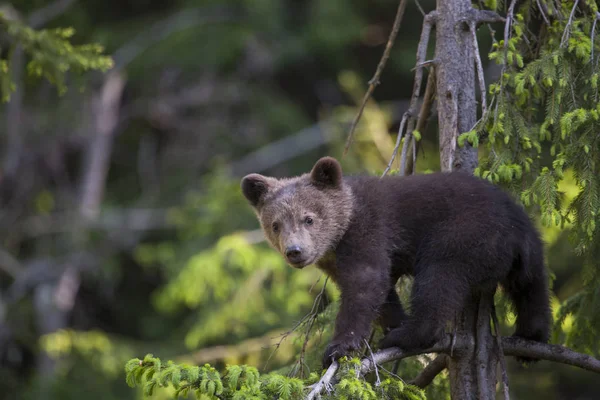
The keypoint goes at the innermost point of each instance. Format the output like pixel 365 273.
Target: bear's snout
pixel 294 254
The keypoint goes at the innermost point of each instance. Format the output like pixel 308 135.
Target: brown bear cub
pixel 455 233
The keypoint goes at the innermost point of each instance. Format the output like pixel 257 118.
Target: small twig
pixel 479 66
pixel 378 381
pixel 592 36
pixel 429 373
pixel 567 32
pixel 428 22
pixel 375 80
pixel 408 140
pixel 428 98
pixel 542 12
pixel 398 139
pixel 500 354
pixel 420 7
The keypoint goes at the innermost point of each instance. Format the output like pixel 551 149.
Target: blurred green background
pixel 123 230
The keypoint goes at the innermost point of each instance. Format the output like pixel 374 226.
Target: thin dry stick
pixel 480 76
pixel 543 12
pixel 398 139
pixel 420 7
pixel 567 32
pixel 592 36
pixel 375 80
pixel 500 355
pixel 428 98
pixel 428 22
pixel 429 373
pixel 378 381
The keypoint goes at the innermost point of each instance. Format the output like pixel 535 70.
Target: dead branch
pixel 567 32
pixel 432 370
pixel 486 17
pixel 501 358
pixel 428 98
pixel 513 346
pixel 543 12
pixel 375 80
pixel 324 382
pixel 99 152
pixel 592 36
pixel 398 139
pixel 479 66
pixel 9 264
pixel 41 17
pixel 428 23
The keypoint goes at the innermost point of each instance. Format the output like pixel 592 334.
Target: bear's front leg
pixel 364 287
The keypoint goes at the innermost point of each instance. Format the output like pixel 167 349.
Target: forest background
pixel 122 227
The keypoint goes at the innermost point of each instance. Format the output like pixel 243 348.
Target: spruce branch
pixel 375 80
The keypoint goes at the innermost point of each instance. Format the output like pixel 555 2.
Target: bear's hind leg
pixel 439 293
pixel 391 313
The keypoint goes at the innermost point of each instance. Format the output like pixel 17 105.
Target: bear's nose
pixel 294 254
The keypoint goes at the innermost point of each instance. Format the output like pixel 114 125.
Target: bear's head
pixel 302 217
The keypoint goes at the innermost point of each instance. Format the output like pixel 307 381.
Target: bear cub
pixel 458 235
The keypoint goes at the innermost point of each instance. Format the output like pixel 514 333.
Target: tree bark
pixel 457 108
pixel 472 371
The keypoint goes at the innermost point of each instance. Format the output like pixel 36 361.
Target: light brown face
pixel 303 217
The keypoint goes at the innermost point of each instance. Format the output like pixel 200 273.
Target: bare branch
pixel 567 32
pixel 514 346
pixel 41 17
pixel 487 17
pixel 500 355
pixel 99 152
pixel 420 7
pixel 324 381
pixel 398 139
pixel 432 370
pixel 375 80
pixel 9 264
pixel 378 382
pixel 423 118
pixel 428 23
pixel 478 64
pixel 543 12
pixel 593 35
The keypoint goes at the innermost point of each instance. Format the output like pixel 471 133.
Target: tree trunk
pixel 457 108
pixel 472 372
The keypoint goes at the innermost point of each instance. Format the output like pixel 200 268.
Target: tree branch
pixel 428 23
pixel 512 346
pixel 41 17
pixel 479 66
pixel 375 80
pixel 567 32
pixel 428 98
pixel 430 371
pixel 398 139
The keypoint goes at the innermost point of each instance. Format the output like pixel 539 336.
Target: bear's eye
pixel 275 227
pixel 308 220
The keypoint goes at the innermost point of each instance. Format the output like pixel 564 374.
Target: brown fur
pixel 455 233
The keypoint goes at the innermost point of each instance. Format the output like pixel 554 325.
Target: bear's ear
pixel 327 172
pixel 254 187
